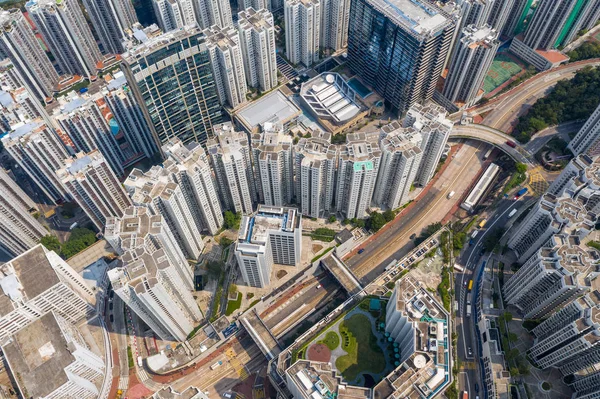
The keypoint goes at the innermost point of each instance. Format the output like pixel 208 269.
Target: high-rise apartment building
pixel 515 21
pixel 335 16
pixel 470 63
pixel 178 59
pixel 303 31
pixel 273 165
pixel 67 34
pixel 190 168
pixel 257 39
pixel 581 176
pixel 587 140
pixel 430 120
pixel 151 286
pixel 128 114
pixel 19 44
pixel 156 190
pixel 49 358
pixel 227 64
pixel 82 119
pixel 174 14
pixel 19 102
pixel 551 215
pixel 576 334
pixel 554 275
pixel 358 164
pixel 111 19
pixel 399 48
pixel 37 282
pixel 400 161
pixel 230 158
pixel 500 11
pixel 138 229
pixel 93 185
pixel 568 340
pixel 38 150
pixel 19 230
pixel 555 23
pixel 255 4
pixel 272 235
pixel 213 12
pixel 315 168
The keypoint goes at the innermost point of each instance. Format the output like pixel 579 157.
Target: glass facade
pixel 176 85
pixel 400 64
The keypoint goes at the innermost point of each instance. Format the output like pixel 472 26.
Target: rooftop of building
pixel 273 107
pixel 223 38
pixel 135 225
pixel 257 19
pixel 144 187
pixel 25 277
pixel 255 229
pixel 80 164
pixel 576 263
pixel 330 97
pixel 138 269
pixel 428 116
pixel 24 129
pixel 148 44
pixel 361 148
pixel 319 380
pixel 400 139
pixel 417 16
pixel 272 140
pixel 170 393
pixel 227 140
pixel 480 36
pixel 38 355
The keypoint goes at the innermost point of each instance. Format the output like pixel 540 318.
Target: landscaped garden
pixel 356 344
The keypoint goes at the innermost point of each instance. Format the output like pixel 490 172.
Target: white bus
pixel 391 265
pixel 459 268
pixel 512 213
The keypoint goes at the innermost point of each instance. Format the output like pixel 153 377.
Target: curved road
pixel 494 137
pixel 509 106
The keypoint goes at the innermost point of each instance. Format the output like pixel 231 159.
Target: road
pixel 504 112
pixel 540 139
pixel 495 137
pixel 472 260
pixel 433 207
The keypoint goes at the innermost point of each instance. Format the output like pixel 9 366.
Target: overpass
pixel 496 138
pixel 342 274
pixel 261 334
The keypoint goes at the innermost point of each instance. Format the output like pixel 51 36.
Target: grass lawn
pixel 332 340
pixel 364 354
pixel 234 305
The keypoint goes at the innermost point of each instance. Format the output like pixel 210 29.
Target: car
pixel 386 279
pixel 394 272
pixel 476 387
pixel 413 236
pixel 318 286
pixel 360 251
pixel 411 259
pixel 464 283
pixel 110 306
pixel 112 319
pixel 470 351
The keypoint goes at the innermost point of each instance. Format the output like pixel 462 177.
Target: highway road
pixel 395 241
pixel 504 112
pixel 472 260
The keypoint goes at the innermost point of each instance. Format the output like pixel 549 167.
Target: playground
pixel 503 68
pixel 356 343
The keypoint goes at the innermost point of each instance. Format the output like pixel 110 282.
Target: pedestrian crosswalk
pixel 237 366
pixel 123 383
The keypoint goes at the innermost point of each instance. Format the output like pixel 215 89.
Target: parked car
pixel 360 251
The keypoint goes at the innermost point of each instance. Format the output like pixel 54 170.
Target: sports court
pixel 503 68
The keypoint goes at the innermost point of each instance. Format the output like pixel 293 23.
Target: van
pixel 451 194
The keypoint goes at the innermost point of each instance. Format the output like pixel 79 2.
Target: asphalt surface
pixel 472 259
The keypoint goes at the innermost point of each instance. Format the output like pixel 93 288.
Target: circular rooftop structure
pixel 420 361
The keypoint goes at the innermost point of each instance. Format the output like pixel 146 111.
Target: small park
pixel 356 344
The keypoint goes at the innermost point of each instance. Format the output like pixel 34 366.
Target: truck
pixel 512 213
pixel 482 223
pixel 391 265
pixel 470 286
pixel 520 193
pixel 469 298
pixel 459 268
pixel 451 194
pixel 139 361
pixel 511 144
pixel 464 395
pixel 468 310
pixel 217 364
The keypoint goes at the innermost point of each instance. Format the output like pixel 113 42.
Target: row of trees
pixel 570 100
pixel 586 51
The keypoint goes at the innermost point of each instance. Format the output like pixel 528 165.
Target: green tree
pixel 508 316
pixel 389 215
pixel 332 219
pixel 521 167
pixel 512 338
pixel 68 209
pixel 376 221
pixel 225 242
pixel 80 239
pixel 232 220
pixel 51 242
